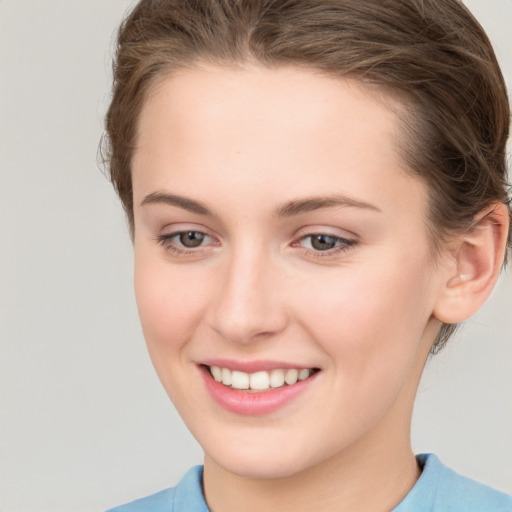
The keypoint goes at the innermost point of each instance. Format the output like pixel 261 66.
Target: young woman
pixel 317 196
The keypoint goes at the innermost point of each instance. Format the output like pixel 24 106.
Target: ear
pixel 474 267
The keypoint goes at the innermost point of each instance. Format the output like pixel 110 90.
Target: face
pixel 279 237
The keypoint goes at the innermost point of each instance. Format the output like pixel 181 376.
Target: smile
pixel 256 391
pixel 260 380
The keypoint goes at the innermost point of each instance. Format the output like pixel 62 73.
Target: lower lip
pixel 253 404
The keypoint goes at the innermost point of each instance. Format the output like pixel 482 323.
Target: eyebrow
pixel 179 201
pixel 317 203
pixel 288 209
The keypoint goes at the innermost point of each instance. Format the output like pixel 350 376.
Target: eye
pixel 184 242
pixel 325 243
pixel 322 242
pixel 191 238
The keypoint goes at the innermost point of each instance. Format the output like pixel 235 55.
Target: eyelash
pixel 342 245
pixel 345 244
pixel 166 239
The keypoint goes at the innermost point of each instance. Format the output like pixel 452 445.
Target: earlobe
pixel 478 255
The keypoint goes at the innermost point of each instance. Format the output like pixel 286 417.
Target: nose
pixel 248 305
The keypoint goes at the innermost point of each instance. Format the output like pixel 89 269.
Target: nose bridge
pixel 248 305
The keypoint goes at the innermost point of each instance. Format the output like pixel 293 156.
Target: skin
pixel 244 142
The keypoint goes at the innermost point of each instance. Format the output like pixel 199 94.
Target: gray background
pixel 84 422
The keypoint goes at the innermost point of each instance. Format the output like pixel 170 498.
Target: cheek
pixel 169 304
pixel 370 321
pixel 372 332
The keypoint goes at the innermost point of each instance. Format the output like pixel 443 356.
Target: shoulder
pixel 186 496
pixel 457 492
pixel 440 489
pixel 158 502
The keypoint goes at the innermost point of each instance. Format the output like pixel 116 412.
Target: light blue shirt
pixel 439 489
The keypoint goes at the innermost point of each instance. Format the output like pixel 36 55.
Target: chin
pixel 261 469
pixel 261 461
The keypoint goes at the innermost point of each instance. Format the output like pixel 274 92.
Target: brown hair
pixel 432 54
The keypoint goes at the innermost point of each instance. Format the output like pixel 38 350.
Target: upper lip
pixel 253 366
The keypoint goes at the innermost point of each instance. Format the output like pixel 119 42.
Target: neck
pixel 375 482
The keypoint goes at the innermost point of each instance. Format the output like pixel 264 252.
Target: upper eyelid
pixel 170 231
pixel 174 234
pixel 327 233
pixel 320 229
pixel 351 239
pixel 330 235
pixel 348 242
pixel 346 236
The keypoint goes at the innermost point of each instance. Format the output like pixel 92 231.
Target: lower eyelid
pixel 342 245
pixel 334 253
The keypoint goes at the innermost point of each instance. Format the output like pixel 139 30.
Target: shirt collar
pixel 189 497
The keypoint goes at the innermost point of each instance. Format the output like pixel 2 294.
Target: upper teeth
pixel 259 380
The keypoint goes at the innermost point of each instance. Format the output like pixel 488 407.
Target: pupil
pixel 323 242
pixel 191 238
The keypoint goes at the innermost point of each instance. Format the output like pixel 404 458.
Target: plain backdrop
pixel 85 424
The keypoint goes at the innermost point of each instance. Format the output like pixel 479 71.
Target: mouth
pixel 256 388
pixel 259 381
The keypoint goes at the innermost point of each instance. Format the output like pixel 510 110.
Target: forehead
pixel 245 101
pixel 295 129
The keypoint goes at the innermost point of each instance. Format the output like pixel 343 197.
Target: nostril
pixel 249 329
pixel 247 307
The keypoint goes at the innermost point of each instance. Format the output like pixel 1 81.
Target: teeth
pixel 259 381
pixel 226 376
pixel 277 378
pixel 291 376
pixel 217 373
pixel 239 380
pixel 303 374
